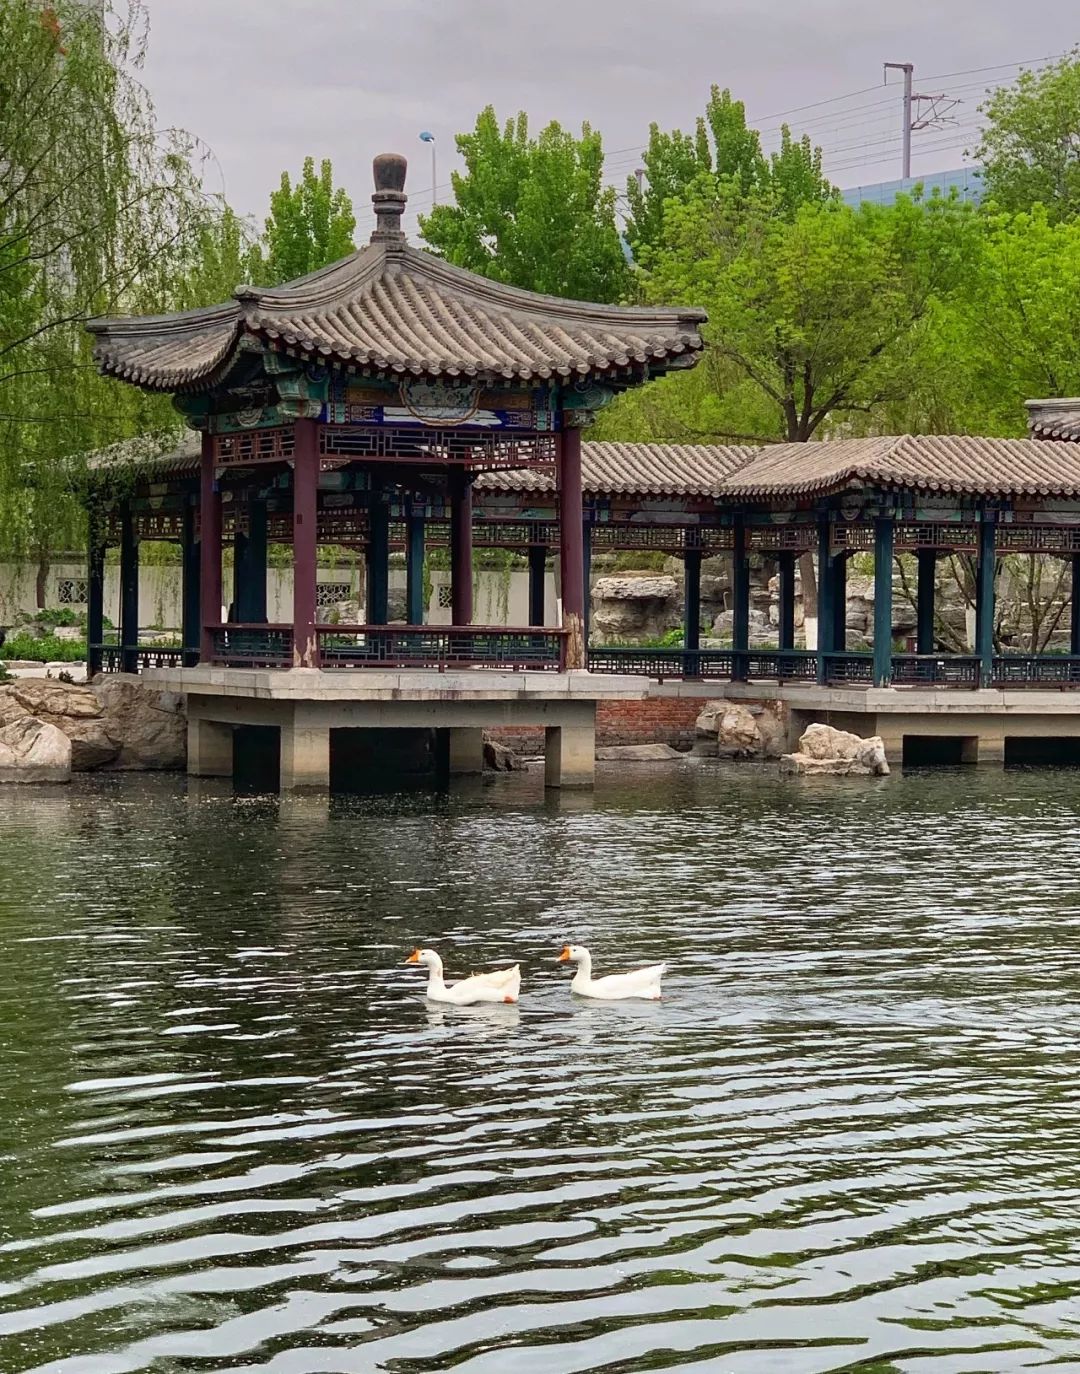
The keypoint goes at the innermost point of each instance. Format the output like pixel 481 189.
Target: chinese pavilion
pixel 378 389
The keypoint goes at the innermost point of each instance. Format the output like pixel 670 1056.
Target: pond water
pixel 233 1135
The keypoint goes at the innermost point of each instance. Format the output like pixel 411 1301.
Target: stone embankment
pixel 50 729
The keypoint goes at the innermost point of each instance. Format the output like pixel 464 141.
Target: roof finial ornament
pixel 389 198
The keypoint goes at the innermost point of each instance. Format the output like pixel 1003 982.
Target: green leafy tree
pixel 533 212
pixel 310 225
pixel 1030 148
pixel 726 149
pixel 99 212
pixel 813 319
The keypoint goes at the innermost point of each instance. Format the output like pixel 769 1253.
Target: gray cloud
pixel 265 82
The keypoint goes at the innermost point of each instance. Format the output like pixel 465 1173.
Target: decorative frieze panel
pixel 479 450
pixel 255 446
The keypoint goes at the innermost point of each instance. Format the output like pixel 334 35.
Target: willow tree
pixel 101 212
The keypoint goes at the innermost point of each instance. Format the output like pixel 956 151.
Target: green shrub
pixel 48 649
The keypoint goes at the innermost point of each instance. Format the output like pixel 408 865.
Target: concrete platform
pixel 981 721
pixel 305 706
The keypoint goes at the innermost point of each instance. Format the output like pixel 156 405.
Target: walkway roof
pixel 952 464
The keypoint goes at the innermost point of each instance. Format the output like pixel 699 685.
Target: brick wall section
pixel 656 720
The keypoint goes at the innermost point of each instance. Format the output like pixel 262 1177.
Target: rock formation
pixel 116 723
pixel 632 607
pixel 740 730
pixel 151 724
pixel 823 750
pixel 32 751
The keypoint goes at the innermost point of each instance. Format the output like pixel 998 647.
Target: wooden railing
pixel 785 665
pixel 440 647
pixel 1035 670
pixel 251 646
pixel 128 658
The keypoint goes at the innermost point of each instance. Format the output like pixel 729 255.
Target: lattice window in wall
pixel 446 597
pixel 71 591
pixel 330 593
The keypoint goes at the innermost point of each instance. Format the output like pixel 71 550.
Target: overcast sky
pixel 265 82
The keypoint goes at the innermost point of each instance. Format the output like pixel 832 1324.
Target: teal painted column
pixel 826 587
pixel 249 568
pixel 414 568
pixel 191 613
pixel 838 638
pixel 378 559
pixel 740 597
pixel 95 595
pixel 984 602
pixel 129 592
pixel 537 577
pixel 1074 608
pixel 924 598
pixel 692 599
pixel 884 530
pixel 786 571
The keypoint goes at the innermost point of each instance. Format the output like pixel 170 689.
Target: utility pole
pixel 908 68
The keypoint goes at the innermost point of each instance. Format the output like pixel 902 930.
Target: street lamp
pixel 427 137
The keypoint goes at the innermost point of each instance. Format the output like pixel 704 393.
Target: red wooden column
pixel 305 544
pixel 571 543
pixel 461 571
pixel 209 550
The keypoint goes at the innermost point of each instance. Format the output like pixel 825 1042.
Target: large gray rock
pixel 824 750
pixel 638 753
pixel 628 607
pixel 74 710
pixel 499 758
pixel 737 733
pixel 32 751
pixel 150 724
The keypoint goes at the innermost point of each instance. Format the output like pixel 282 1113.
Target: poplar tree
pixel 310 225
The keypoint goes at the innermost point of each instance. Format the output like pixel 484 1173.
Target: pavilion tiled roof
pixel 954 464
pixel 393 310
pixel 1058 418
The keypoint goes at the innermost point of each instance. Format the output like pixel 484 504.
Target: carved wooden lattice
pixel 1063 540
pixel 255 446
pixel 476 449
pixel 781 538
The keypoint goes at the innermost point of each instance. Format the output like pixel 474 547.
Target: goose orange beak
pixel 564 955
pixel 414 957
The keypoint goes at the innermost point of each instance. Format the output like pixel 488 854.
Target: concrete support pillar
pixel 571 543
pixel 129 592
pixel 740 597
pixel 884 529
pixel 826 589
pixel 570 755
pixel 305 756
pixel 537 581
pixel 1074 608
pixel 786 569
pixel 984 602
pixel 465 750
pixel 209 749
pixel 95 594
pixel 924 599
pixel 692 599
pixel 839 603
pixel 209 549
pixel 414 566
pixel 305 546
pixel 378 558
pixel 461 569
pixel 190 617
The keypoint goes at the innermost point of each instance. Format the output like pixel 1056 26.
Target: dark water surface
pixel 234 1136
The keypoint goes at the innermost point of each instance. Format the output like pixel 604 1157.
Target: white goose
pixel 501 985
pixel 616 987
